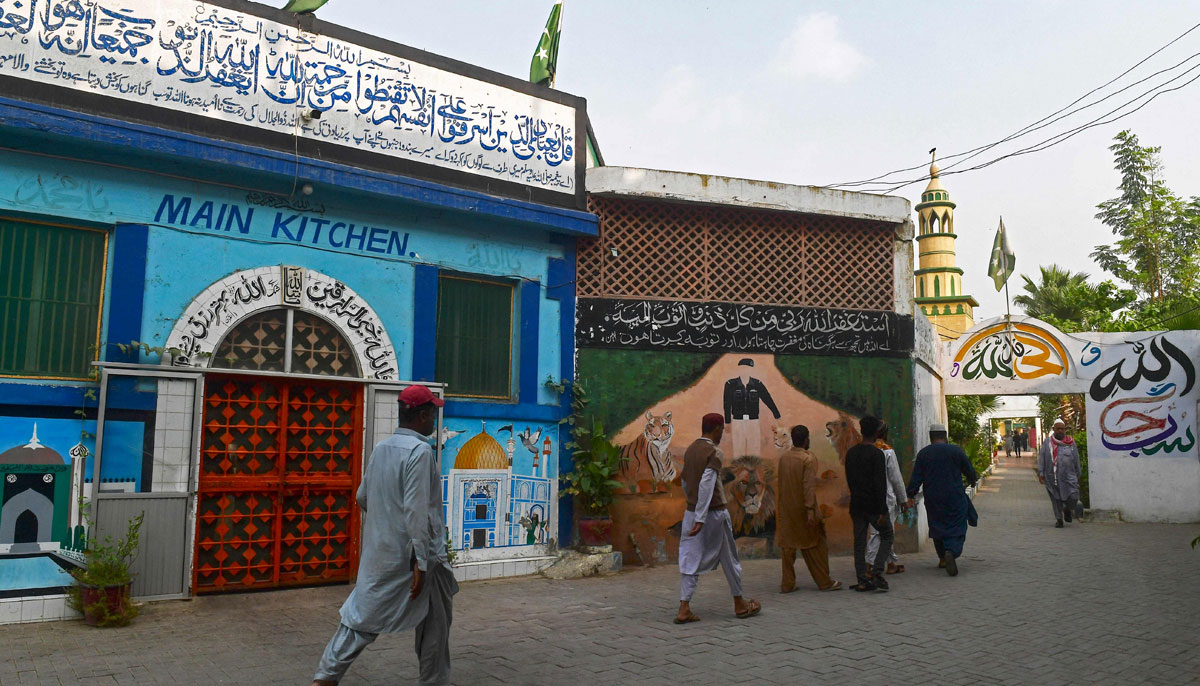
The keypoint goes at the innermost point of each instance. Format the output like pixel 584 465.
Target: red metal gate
pixel 279 464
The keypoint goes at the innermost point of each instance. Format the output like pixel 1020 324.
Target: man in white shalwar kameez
pixel 707 531
pixel 404 578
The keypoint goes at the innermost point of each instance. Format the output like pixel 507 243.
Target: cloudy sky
pixel 820 93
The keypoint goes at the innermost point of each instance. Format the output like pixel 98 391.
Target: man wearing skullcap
pixel 1059 470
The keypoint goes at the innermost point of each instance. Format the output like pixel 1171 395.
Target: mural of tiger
pixel 649 459
pixel 843 435
pixel 750 494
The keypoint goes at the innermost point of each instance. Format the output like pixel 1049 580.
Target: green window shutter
pixel 51 283
pixel 474 337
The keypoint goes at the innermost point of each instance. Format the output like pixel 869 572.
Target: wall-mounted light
pixel 307 188
pixel 311 115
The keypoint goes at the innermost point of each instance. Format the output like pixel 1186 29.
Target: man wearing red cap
pixel 707 535
pixel 404 579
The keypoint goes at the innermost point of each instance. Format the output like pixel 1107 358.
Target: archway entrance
pixel 1139 396
pixel 26 529
pixel 280 458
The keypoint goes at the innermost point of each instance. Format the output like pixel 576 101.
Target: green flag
pixel 302 6
pixel 545 57
pixel 1003 261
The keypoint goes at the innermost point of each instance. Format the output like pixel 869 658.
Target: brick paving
pixel 1090 604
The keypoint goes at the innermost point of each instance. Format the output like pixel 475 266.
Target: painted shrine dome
pixel 32 452
pixel 481 452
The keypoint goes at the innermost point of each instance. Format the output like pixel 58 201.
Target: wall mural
pixel 202 326
pixel 45 471
pixel 219 63
pixel 656 401
pixel 499 484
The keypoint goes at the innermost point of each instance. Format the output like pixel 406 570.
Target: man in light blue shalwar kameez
pixel 404 578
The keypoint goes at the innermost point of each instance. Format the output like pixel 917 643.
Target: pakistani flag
pixel 545 58
pixel 303 6
pixel 1003 261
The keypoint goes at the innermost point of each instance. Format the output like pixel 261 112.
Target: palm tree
pixel 1068 300
pixel 1054 296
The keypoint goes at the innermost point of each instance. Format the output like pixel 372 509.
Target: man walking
pixel 707 531
pixel 940 468
pixel 404 579
pixel 866 475
pixel 798 524
pixel 897 501
pixel 1059 469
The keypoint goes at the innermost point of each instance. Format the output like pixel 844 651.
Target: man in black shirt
pixel 866 475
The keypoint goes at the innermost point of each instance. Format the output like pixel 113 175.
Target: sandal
pixel 863 587
pixel 894 568
pixel 755 608
pixel 833 587
pixel 690 618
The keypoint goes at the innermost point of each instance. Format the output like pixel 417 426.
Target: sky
pixel 819 93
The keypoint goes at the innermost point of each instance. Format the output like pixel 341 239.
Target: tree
pixel 1067 300
pixel 1158 234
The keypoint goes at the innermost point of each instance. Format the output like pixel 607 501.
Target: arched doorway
pixel 26 529
pixel 280 456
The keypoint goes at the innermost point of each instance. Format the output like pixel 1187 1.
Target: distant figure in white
pixel 1059 469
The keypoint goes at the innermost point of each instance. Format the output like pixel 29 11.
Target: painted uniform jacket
pixel 702 455
pixel 742 399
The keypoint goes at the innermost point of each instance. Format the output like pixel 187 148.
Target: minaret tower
pixel 940 293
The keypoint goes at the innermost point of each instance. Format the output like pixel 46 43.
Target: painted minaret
pixel 940 293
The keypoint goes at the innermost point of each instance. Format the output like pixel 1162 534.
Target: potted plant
pixel 593 481
pixel 101 590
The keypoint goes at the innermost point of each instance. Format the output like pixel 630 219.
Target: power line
pixel 1050 142
pixel 1029 128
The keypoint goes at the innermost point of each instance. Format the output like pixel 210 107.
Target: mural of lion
pixel 843 435
pixel 750 494
pixel 783 437
pixel 649 459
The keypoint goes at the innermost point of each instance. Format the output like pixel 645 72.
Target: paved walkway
pixel 1092 603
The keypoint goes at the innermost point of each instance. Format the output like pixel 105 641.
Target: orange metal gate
pixel 279 464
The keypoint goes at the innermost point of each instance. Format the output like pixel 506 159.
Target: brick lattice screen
pixel 694 252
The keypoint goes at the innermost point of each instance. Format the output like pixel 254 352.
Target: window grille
pixel 474 337
pixel 51 285
pixel 259 342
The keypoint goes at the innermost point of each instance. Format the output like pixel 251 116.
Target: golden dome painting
pixel 481 452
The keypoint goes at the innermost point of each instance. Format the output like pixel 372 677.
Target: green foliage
pixel 109 561
pixel 624 383
pixel 108 565
pixel 1068 301
pixel 1158 234
pixel 963 414
pixel 597 462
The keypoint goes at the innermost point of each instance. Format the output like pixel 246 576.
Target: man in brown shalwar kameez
pixel 798 524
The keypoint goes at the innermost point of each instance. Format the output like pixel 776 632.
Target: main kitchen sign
pixel 230 62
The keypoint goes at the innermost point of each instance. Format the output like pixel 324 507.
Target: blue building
pixel 229 241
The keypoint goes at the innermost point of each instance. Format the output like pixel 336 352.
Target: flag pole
pixel 1012 342
pixel 562 11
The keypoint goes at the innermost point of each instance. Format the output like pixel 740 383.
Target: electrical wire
pixel 1029 128
pixel 1054 140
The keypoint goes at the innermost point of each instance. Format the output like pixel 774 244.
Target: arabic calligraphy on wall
pixel 219 63
pixel 204 323
pixel 712 326
pixel 1025 352
pixel 1147 404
